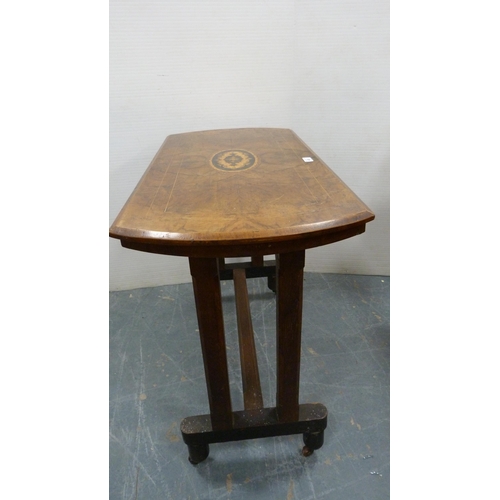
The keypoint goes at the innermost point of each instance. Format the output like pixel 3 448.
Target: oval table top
pixel 236 193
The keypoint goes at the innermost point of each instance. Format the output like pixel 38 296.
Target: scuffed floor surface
pixel 156 379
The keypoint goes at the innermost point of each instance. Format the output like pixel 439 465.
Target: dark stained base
pixel 198 432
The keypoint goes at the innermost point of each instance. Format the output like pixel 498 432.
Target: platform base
pixel 198 432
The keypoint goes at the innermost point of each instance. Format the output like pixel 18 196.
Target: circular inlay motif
pixel 233 159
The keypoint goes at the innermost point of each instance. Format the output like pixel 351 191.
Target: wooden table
pixel 243 193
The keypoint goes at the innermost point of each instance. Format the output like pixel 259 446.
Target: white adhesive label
pixel 307 159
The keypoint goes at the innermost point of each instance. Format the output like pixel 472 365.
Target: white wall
pixel 318 67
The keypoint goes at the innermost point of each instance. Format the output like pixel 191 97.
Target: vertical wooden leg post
pixel 206 284
pixel 290 276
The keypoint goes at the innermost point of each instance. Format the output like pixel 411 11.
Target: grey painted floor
pixel 156 379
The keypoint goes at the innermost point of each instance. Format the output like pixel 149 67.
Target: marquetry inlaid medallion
pixel 233 159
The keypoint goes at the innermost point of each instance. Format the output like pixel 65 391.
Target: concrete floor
pixel 157 379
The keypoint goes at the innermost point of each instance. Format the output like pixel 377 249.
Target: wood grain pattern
pixel 252 393
pixel 185 205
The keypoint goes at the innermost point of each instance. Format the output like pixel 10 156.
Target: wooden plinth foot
pixel 198 431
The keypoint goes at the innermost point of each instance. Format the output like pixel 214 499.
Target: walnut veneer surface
pixel 238 192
